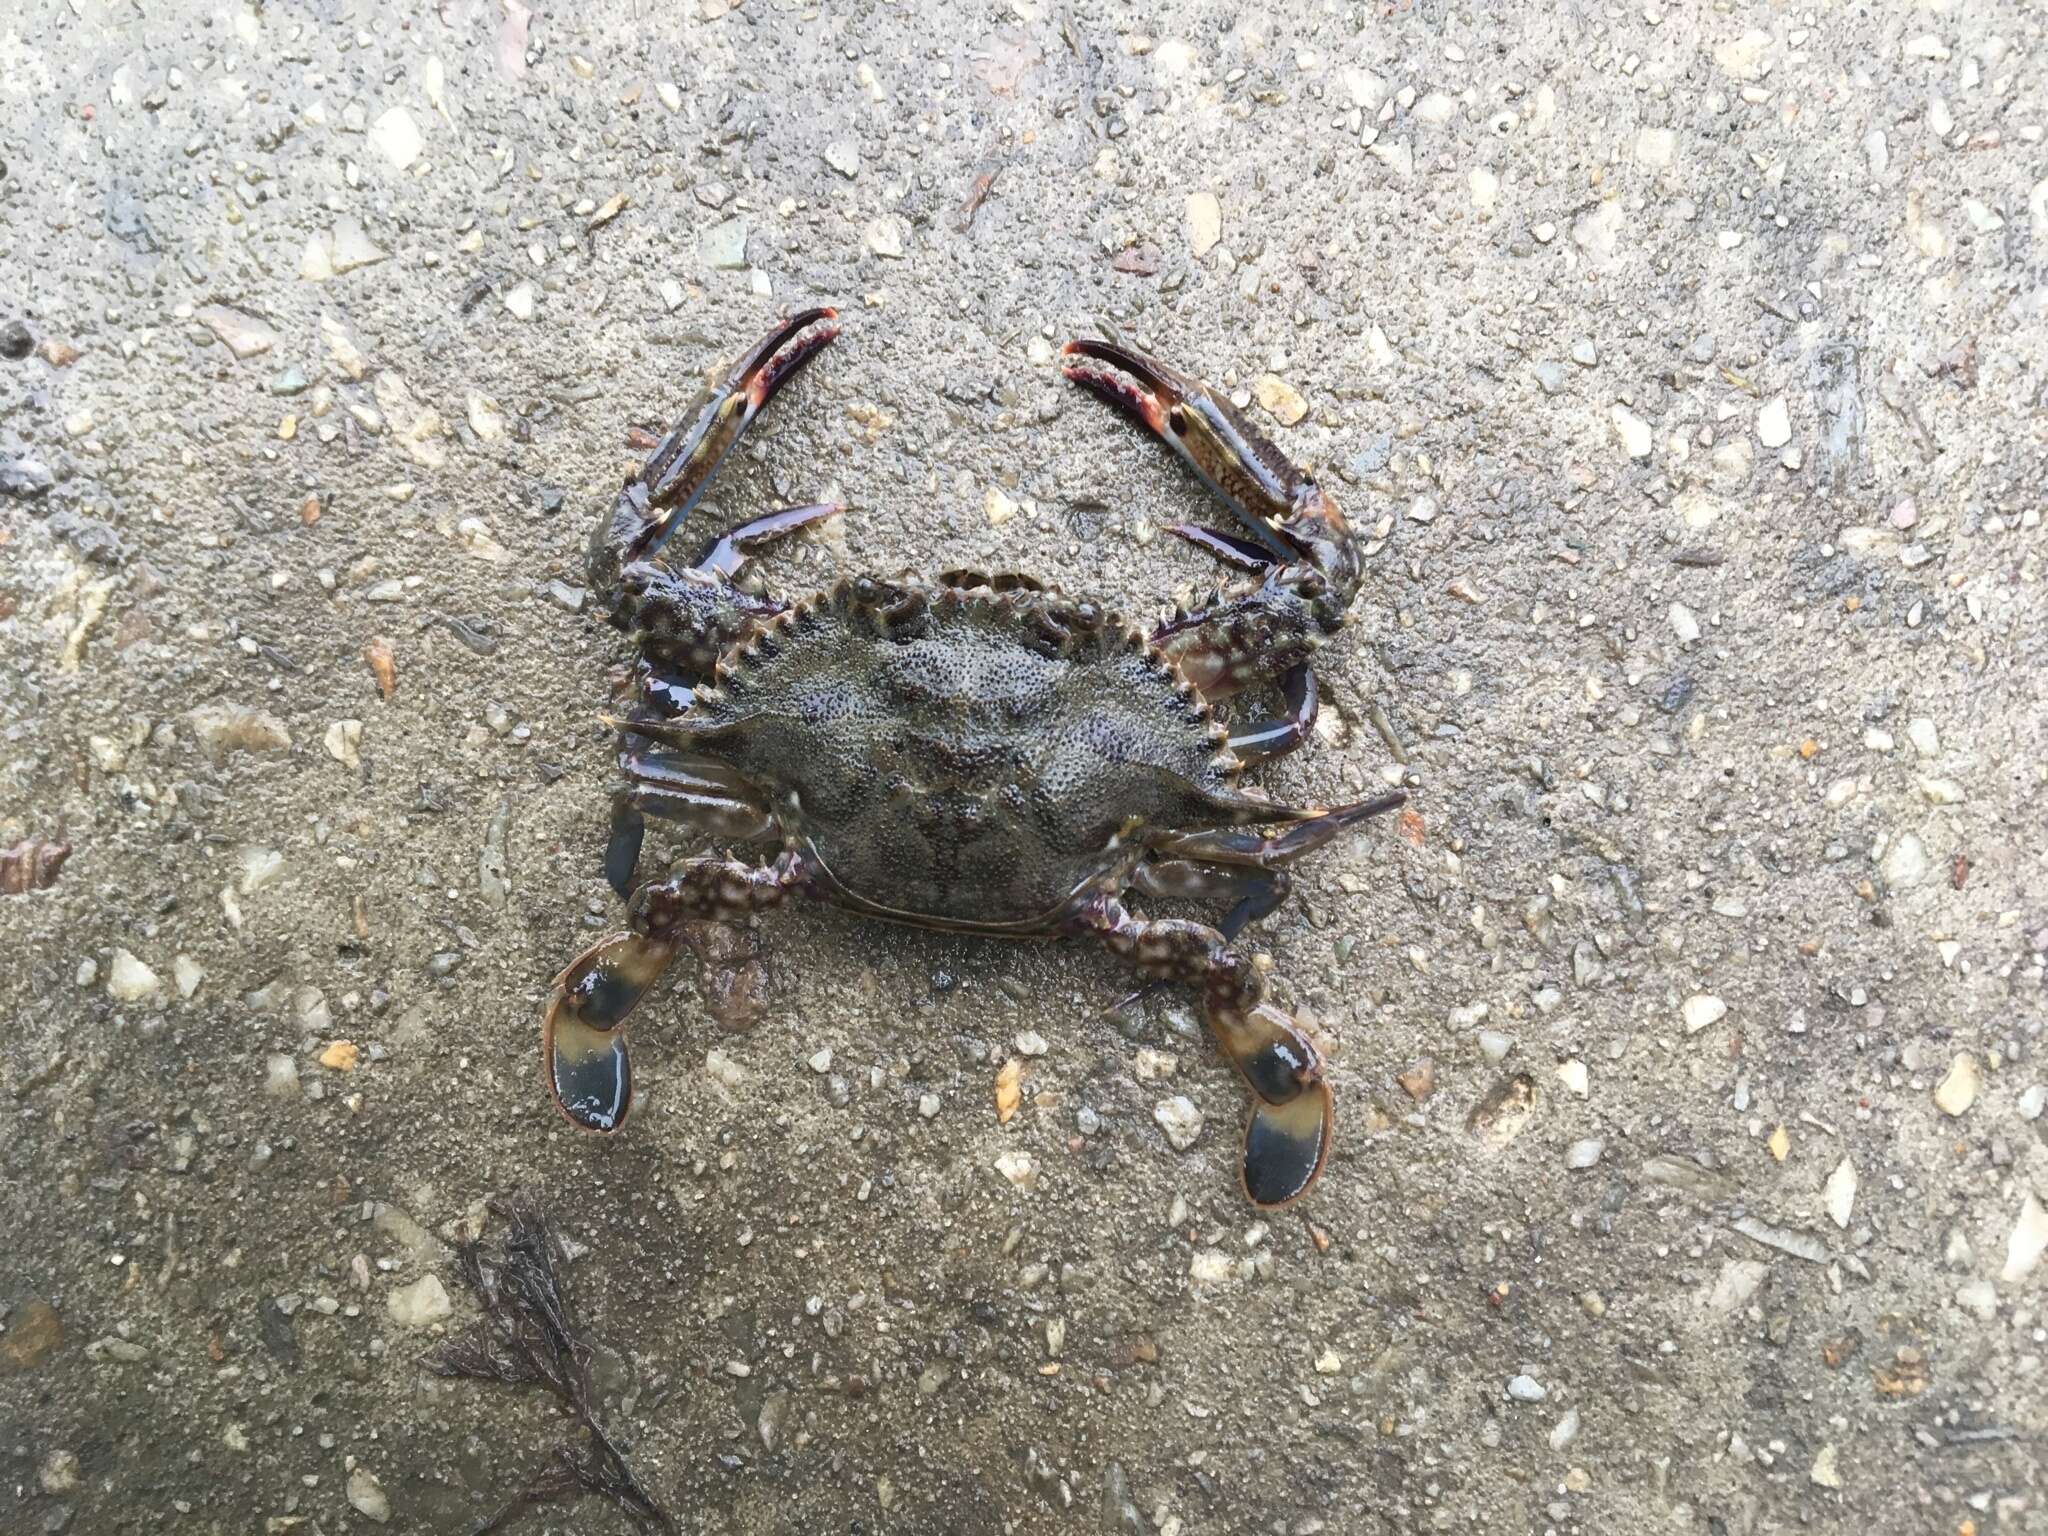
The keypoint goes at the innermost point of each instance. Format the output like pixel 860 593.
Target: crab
pixel 971 753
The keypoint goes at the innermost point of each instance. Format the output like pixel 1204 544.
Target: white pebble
pixel 1019 1169
pixel 397 137
pixel 1031 1043
pixel 1921 732
pixel 1633 431
pixel 1584 1154
pixel 821 1061
pixel 2028 1242
pixel 1840 1193
pixel 1526 1389
pixel 1700 1010
pixel 1684 624
pixel 1180 1119
pixel 420 1304
pixel 128 979
pixel 1958 1088
pixel 1774 424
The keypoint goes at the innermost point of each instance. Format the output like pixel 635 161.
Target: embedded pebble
pixel 1684 624
pixel 344 740
pixel 1700 1010
pixel 1906 862
pixel 1419 1080
pixel 723 247
pixel 1566 1430
pixel 1957 1090
pixel 1205 222
pixel 281 1080
pixel 1279 399
pixel 1774 424
pixel 397 138
pixel 519 300
pixel 367 1496
pixel 821 1060
pixel 1979 1298
pixel 1031 1043
pixel 1526 1389
pixel 1825 1473
pixel 885 237
pixel 243 335
pixel 843 155
pixel 1180 1119
pixel 1584 1154
pixel 1636 438
pixel 225 728
pixel 420 1304
pixel 186 973
pixel 2027 1242
pixel 1921 732
pixel 1150 1065
pixel 1840 1193
pixel 129 980
pixel 1019 1168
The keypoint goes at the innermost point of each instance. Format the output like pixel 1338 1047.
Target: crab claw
pixel 1279 504
pixel 683 463
pixel 583 1054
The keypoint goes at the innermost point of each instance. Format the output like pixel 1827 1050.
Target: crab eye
pixel 1177 418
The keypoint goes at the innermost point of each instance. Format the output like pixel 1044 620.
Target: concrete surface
pixel 1684 363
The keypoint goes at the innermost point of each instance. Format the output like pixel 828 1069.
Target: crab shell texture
pixel 962 757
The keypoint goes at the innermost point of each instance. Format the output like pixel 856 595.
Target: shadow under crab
pixel 972 753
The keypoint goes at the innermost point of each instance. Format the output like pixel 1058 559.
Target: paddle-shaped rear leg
pixel 583 1047
pixel 1288 1137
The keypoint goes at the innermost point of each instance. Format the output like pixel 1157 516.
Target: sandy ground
pixel 1685 368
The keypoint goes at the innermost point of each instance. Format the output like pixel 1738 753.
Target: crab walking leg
pixel 583 1050
pixel 700 794
pixel 1288 1136
pixel 1248 845
pixel 1252 893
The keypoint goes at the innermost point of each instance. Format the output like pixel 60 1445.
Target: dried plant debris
pixel 31 865
pixel 529 1336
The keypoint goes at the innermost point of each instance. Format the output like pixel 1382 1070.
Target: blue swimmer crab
pixel 973 753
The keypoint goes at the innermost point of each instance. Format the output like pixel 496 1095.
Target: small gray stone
pixel 290 382
pixel 562 595
pixel 843 155
pixel 1549 377
pixel 1526 1389
pixel 1584 1154
pixel 724 246
pixel 1180 1119
pixel 1584 353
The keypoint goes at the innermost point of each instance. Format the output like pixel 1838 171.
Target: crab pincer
pixel 1295 527
pixel 674 477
